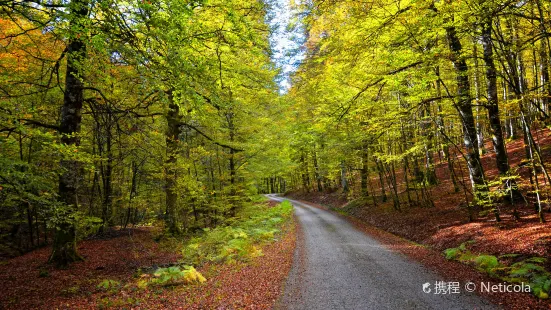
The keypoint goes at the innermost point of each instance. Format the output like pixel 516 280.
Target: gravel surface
pixel 337 266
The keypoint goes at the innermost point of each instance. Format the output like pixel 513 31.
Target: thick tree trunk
pixel 465 110
pixel 64 247
pixel 480 136
pixel 492 104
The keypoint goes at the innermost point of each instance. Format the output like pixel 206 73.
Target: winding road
pixel 337 266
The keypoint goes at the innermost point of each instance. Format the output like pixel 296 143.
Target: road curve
pixel 337 266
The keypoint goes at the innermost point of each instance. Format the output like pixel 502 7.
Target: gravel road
pixel 337 266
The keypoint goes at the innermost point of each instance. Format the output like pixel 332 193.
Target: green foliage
pixel 460 253
pixel 109 285
pixel 238 240
pixel 486 262
pixel 121 145
pixel 529 271
pixel 175 275
pixel 70 291
pixel 525 269
pixel 452 253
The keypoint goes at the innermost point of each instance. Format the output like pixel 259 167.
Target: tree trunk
pixel 305 174
pixel 492 104
pixel 107 177
pixel 171 177
pixel 380 169
pixel 365 170
pixel 64 247
pixel 440 124
pixel 480 136
pixel 317 171
pixel 465 110
pixel 430 172
pixel 344 181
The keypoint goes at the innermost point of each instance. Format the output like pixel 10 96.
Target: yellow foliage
pixel 193 276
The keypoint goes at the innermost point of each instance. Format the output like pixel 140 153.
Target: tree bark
pixel 441 128
pixel 344 180
pixel 465 109
pixel 492 104
pixel 365 170
pixel 317 171
pixel 64 247
pixel 171 177
pixel 480 136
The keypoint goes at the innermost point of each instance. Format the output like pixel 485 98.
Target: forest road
pixel 337 266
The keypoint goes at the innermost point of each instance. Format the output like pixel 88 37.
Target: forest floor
pixel 28 282
pixel 446 225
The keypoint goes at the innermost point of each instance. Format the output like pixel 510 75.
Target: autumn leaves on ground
pixel 245 269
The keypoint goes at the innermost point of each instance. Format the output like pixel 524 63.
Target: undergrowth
pixel 509 267
pixel 241 237
pixel 238 239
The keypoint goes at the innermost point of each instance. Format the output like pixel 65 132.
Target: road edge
pixel 436 262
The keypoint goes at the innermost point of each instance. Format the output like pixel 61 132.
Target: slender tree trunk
pixel 365 170
pixel 133 191
pixel 430 173
pixel 173 119
pixel 544 69
pixel 380 169
pixel 545 53
pixel 305 173
pixel 531 149
pixel 231 127
pixel 344 179
pixel 441 130
pixel 107 177
pixel 317 171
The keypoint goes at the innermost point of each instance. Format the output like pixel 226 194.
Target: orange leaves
pixel 25 47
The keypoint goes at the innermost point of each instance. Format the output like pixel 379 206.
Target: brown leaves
pixel 253 285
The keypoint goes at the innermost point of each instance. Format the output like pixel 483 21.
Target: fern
pixel 108 285
pixel 239 240
pixel 175 275
pixel 486 262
